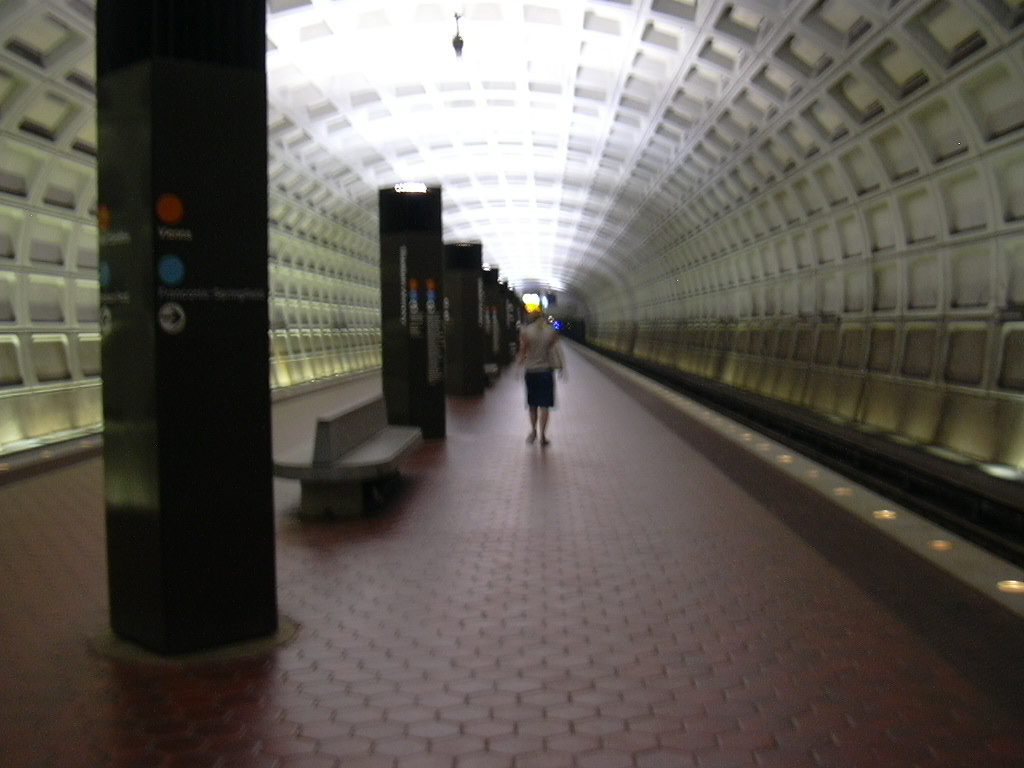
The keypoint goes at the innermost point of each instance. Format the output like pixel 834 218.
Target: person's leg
pixel 533 425
pixel 548 402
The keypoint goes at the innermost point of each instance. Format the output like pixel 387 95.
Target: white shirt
pixel 539 347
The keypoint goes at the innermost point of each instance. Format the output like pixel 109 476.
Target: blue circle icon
pixel 171 270
pixel 104 275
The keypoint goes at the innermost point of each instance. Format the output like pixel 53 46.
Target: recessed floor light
pixel 1002 471
pixel 1013 586
pixel 940 545
pixel 884 514
pixel 786 458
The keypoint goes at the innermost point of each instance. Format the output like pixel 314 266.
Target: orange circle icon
pixel 103 218
pixel 169 208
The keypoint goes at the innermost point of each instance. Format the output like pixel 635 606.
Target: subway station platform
pixel 657 588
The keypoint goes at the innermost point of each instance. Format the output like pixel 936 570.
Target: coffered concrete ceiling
pixel 567 130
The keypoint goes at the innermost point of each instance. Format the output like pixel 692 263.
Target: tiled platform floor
pixel 640 594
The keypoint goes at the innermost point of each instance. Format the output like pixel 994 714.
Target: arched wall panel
pixel 324 303
pixel 49 332
pixel 832 215
pixel 898 253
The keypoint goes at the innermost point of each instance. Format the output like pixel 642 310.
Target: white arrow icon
pixel 172 317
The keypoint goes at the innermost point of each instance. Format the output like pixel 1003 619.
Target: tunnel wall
pixel 870 270
pixel 323 244
pixel 865 261
pixel 324 279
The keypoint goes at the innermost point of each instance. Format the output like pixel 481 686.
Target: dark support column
pixel 492 317
pixel 507 323
pixel 412 320
pixel 463 286
pixel 183 277
pixel 516 318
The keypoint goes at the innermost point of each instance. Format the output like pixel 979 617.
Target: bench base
pixel 341 499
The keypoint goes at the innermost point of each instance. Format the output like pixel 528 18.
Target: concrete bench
pixel 352 450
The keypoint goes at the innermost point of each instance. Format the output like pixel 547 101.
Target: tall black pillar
pixel 463 287
pixel 507 323
pixel 411 304
pixel 492 321
pixel 514 316
pixel 183 278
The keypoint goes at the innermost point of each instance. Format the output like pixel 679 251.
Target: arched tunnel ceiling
pixel 569 131
pixel 547 134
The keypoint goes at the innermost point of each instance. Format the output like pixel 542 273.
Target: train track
pixel 958 496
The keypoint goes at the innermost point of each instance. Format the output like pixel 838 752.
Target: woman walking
pixel 541 355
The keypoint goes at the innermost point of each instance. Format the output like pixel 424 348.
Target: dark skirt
pixel 540 389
